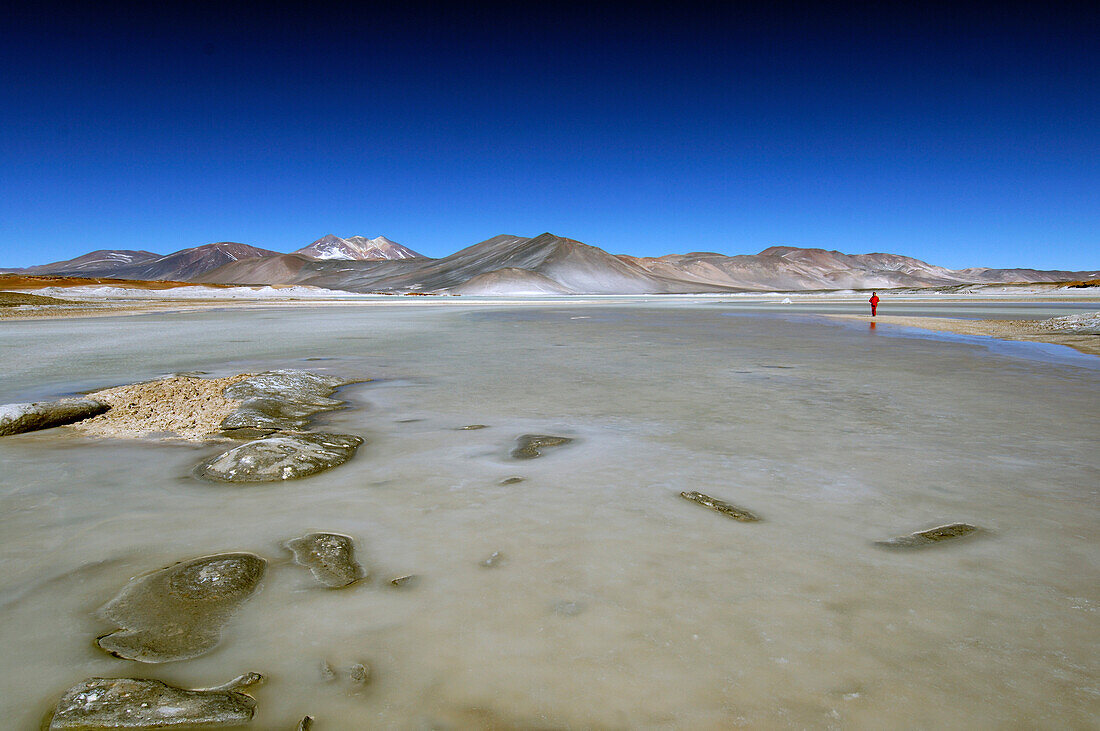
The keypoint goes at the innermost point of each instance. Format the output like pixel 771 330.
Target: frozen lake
pixel 618 604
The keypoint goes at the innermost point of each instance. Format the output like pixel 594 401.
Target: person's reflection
pixel 872 326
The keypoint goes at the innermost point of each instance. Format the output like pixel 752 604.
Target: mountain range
pixel 545 264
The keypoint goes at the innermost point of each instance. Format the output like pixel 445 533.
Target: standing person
pixel 874 303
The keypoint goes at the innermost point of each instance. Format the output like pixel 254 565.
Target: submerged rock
pixel 106 703
pixel 472 427
pixel 359 673
pixel 405 581
pixel 511 480
pixel 568 608
pixel 305 724
pixel 20 418
pixel 178 612
pixel 495 559
pixel 269 413
pixel 329 556
pixel 931 536
pixel 721 506
pixel 280 457
pixel 283 399
pixel 530 446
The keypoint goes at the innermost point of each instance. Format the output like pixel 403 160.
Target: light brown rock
pixel 183 407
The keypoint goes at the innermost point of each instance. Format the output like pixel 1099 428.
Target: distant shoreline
pixel 1031 331
pixel 1041 331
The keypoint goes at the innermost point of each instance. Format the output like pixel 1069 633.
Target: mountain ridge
pixel 507 264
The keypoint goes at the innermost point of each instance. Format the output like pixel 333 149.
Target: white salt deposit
pixel 1085 322
pixel 89 292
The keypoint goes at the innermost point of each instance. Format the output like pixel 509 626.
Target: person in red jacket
pixel 874 303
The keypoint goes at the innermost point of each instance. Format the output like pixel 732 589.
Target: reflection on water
pixel 619 604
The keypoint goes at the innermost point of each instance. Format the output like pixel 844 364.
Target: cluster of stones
pixel 276 407
pixel 272 419
pixel 177 613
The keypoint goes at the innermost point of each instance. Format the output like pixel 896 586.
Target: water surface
pixel 618 604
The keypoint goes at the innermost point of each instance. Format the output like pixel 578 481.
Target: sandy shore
pixel 1034 331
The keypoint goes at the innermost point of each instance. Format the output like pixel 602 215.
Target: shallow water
pixel 618 604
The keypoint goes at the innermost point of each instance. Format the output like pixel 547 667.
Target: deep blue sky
pixel 965 137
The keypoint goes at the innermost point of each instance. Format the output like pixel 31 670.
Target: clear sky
pixel 964 136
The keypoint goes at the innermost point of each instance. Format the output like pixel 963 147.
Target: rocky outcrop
pixel 329 556
pixel 182 406
pixel 20 418
pixel 178 612
pixel 106 703
pixel 281 456
pixel 268 411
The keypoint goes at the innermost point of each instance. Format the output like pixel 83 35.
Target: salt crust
pixel 184 407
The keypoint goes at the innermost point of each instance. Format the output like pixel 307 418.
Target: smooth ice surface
pixel 620 604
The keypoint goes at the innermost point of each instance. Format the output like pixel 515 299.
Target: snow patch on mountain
pixel 357 248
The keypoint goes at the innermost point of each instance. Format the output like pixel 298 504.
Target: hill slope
pixel 182 265
pixel 103 261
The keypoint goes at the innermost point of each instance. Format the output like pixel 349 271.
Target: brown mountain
pixel 788 268
pixel 103 261
pixel 181 265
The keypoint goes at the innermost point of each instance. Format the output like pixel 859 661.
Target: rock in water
pixel 530 446
pixel 178 612
pixel 105 703
pixel 330 556
pixel 932 535
pixel 359 673
pixel 495 559
pixel 305 724
pixel 281 399
pixel 721 506
pixel 19 418
pixel 280 457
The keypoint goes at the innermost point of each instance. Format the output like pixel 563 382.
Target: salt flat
pixel 617 604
